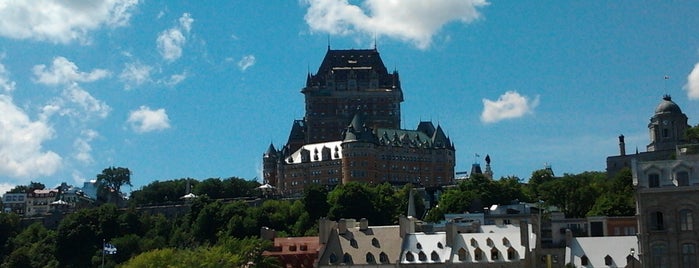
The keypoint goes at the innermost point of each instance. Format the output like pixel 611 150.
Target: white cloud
pixel 146 120
pixel 88 106
pixel 63 71
pixel 135 74
pixel 5 83
pixel 175 79
pixel 62 21
pixel 509 105
pixel 170 44
pixel 246 62
pixel 82 146
pixel 171 41
pixel 21 139
pixel 6 187
pixel 186 22
pixel 415 21
pixel 692 86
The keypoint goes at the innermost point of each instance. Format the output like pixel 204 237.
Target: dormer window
pixel 653 180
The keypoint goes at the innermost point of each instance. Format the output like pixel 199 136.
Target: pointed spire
pixel 439 139
pixel 271 151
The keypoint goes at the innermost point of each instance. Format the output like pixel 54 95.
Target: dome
pixel 667 106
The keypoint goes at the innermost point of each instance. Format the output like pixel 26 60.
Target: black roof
pixel 362 63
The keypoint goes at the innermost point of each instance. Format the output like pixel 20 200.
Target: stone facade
pixel 666 200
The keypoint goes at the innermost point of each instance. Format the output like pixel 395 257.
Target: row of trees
pixel 577 195
pixel 218 228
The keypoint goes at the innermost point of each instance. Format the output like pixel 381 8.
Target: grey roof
pixel 667 106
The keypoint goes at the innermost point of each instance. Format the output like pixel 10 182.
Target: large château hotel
pixel 352 131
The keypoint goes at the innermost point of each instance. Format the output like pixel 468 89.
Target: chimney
pixel 524 234
pixel 452 232
pixel 622 146
pixel 363 224
pixel 342 226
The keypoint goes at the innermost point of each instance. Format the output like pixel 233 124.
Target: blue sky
pixel 173 89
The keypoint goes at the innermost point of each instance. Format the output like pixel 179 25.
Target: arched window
pixel 434 256
pixel 686 220
pixel 383 258
pixel 439 245
pixel 658 256
pixel 353 243
pixel 418 246
pixel 689 255
pixel 333 258
pixel 370 258
pixel 409 256
pixel 584 261
pixel 682 178
pixel 462 254
pixel 656 221
pixel 347 258
pixel 474 243
pixel 422 256
pixel 653 180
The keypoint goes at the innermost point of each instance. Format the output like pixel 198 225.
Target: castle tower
pixel 348 81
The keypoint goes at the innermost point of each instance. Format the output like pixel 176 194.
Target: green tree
pixel 28 188
pixel 538 178
pixel 315 201
pixel 33 247
pixel 9 227
pixel 111 179
pixel 159 192
pixel 617 198
pixel 353 201
pixel 212 187
pixel 576 194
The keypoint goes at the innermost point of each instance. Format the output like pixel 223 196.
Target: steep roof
pixel 363 246
pixel 363 64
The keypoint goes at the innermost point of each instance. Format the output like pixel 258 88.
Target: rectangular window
pixel 653 180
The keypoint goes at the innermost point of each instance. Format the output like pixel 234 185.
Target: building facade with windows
pixel 666 200
pixel 351 131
